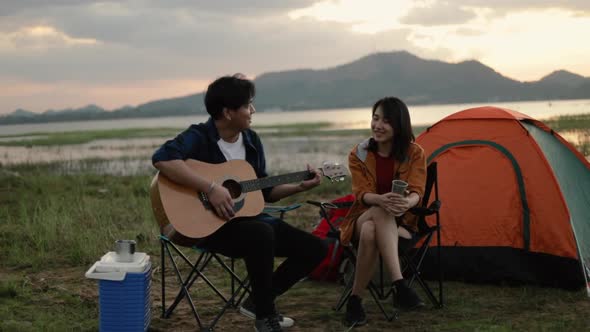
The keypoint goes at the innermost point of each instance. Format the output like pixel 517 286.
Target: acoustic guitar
pixel 185 214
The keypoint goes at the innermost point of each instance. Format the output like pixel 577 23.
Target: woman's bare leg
pixel 387 236
pixel 377 233
pixel 367 253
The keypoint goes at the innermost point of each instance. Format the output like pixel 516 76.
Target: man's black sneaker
pixel 249 310
pixel 355 313
pixel 268 324
pixel 405 297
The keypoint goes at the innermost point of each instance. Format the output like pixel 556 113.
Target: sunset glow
pixel 71 53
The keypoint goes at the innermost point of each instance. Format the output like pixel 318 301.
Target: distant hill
pixel 563 77
pixel 355 84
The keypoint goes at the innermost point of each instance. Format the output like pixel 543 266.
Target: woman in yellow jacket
pixel 378 216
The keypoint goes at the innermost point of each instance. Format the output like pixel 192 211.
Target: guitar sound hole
pixel 234 188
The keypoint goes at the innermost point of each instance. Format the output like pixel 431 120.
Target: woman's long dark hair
pixel 396 112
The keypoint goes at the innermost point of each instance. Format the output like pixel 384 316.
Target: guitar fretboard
pixel 271 181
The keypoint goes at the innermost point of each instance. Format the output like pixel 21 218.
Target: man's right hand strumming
pixel 221 201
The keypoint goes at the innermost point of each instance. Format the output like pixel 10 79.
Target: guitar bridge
pixel 205 200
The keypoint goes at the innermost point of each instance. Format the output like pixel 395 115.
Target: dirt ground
pixel 66 294
pixel 310 303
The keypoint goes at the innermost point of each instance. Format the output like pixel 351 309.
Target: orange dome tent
pixel 516 199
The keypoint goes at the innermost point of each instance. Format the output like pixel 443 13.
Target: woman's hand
pixel 401 204
pixel 221 201
pixel 394 204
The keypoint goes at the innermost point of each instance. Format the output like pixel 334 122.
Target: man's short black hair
pixel 230 92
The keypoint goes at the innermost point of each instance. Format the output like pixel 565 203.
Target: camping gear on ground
pixel 123 291
pixel 517 200
pixel 328 269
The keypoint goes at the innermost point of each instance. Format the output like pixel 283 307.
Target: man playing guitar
pixel 259 239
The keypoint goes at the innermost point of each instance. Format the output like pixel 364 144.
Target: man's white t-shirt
pixel 235 150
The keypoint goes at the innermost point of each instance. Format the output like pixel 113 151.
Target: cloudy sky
pixel 70 53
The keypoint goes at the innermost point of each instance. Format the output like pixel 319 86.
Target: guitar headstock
pixel 334 171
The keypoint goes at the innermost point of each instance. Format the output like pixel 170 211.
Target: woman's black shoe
pixel 405 297
pixel 355 313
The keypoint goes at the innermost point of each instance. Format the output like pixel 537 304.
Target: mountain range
pixel 356 84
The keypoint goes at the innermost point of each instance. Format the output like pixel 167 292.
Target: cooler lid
pixel 108 263
pixel 107 268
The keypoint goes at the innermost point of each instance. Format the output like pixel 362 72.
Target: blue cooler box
pixel 124 292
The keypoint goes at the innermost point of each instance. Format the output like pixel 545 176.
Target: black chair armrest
pixel 325 205
pixel 435 205
pixel 280 208
pixel 426 211
pixel 419 211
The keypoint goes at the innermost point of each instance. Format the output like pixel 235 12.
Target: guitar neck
pixel 271 181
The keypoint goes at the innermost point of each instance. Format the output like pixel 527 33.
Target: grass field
pixel 53 228
pixel 569 122
pixel 54 225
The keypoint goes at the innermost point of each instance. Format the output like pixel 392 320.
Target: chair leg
pixel 195 273
pixel 233 283
pixel 416 277
pixel 382 290
pixel 374 293
pixel 163 282
pixel 344 266
pixel 344 296
pixel 429 293
pixel 440 271
pixel 183 288
pixel 229 303
pixel 243 283
pixel 413 268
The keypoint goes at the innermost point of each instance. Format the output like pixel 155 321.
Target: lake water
pixel 350 118
pixel 132 156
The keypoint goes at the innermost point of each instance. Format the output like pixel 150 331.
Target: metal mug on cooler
pixel 125 250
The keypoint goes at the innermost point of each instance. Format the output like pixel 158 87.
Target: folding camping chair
pixel 170 252
pixel 411 258
pixel 238 286
pixel 349 253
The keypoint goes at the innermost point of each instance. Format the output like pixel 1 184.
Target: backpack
pixel 328 269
